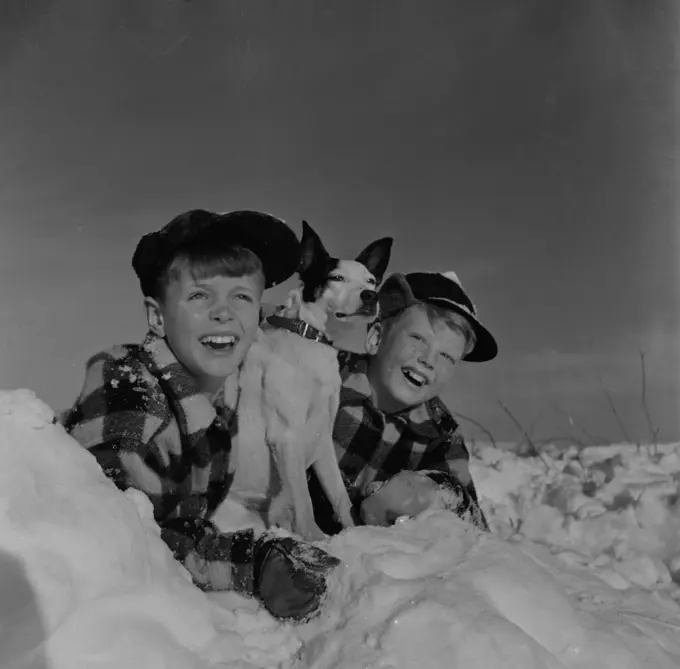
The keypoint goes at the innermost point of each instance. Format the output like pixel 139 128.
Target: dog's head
pixel 347 288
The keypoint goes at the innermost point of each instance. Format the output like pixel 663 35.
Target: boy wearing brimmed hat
pixel 160 416
pixel 399 448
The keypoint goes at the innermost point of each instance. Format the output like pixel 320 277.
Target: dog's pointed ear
pixel 313 249
pixel 376 256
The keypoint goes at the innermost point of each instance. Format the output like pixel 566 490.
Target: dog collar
pixel 301 328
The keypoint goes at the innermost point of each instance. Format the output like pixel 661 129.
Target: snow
pixel 83 565
pixel 612 508
pixel 568 579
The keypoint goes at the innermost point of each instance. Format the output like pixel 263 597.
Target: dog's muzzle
pixel 369 303
pixel 369 298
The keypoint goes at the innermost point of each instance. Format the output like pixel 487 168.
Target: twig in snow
pixel 520 428
pixel 612 406
pixel 645 407
pixel 476 423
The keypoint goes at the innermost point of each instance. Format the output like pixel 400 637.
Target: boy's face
pixel 414 361
pixel 209 323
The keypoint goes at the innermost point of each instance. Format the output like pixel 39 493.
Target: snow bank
pixel 85 581
pixel 615 509
pixel 83 565
pixel 434 592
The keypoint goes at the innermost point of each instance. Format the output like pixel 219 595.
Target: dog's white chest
pixel 250 464
pixel 290 389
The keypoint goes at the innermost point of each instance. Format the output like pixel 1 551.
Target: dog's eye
pixel 336 277
pixel 371 281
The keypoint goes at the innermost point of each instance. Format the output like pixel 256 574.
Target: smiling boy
pixel 398 446
pixel 160 417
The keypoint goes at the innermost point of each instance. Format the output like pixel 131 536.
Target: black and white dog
pixel 290 388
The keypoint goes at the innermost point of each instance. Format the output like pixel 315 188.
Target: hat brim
pixel 396 295
pixel 268 237
pixel 486 347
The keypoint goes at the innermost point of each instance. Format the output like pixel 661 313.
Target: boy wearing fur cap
pixel 160 416
pixel 399 448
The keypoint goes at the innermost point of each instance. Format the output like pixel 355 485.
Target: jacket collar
pixel 430 420
pixel 193 409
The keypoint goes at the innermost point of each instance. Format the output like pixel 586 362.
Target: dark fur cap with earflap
pixel 268 237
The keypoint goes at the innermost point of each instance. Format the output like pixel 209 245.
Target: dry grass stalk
pixel 615 412
pixel 478 425
pixel 654 432
pixel 518 425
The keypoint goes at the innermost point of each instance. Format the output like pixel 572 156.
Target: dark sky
pixel 529 145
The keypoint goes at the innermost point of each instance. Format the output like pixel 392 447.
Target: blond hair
pixel 440 314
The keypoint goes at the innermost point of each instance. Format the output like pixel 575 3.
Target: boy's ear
pixel 154 316
pixel 373 337
pixel 376 256
pixel 313 250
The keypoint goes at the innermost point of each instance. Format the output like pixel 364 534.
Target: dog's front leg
pixel 287 414
pixel 292 507
pixel 292 471
pixel 296 473
pixel 327 468
pixel 328 472
pixel 281 513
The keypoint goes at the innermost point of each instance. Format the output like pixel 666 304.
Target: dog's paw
pixel 345 519
pixel 281 513
pixel 311 532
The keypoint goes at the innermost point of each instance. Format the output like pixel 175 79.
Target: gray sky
pixel 529 145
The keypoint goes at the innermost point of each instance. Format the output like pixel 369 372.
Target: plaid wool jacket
pixel 372 446
pixel 140 414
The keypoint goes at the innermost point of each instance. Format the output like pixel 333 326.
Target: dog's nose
pixel 368 296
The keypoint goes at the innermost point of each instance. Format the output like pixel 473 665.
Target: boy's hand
pixel 290 576
pixel 287 575
pixel 405 494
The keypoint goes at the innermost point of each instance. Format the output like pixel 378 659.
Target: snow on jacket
pixel 141 415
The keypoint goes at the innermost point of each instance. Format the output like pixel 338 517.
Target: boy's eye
pixel 196 295
pixel 245 297
pixel 417 337
pixel 450 358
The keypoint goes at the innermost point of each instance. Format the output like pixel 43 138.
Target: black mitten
pixel 290 576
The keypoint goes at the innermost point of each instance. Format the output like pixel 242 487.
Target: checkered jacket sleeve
pixel 444 458
pixel 449 454
pixel 118 417
pixel 448 466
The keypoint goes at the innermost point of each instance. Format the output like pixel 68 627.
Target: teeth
pixel 214 339
pixel 414 377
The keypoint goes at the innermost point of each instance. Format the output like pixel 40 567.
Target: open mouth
pixel 414 378
pixel 366 310
pixel 369 309
pixel 219 343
